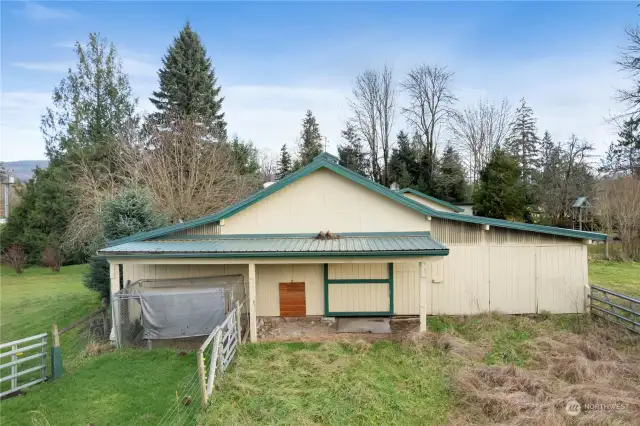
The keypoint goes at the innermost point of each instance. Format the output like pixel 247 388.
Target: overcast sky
pixel 276 60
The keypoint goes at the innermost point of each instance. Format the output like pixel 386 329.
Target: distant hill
pixel 23 170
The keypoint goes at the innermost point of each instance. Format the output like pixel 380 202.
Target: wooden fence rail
pixel 22 351
pixel 615 307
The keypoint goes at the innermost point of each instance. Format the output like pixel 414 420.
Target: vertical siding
pixel 562 275
pixel 406 288
pixel 269 277
pixel 208 229
pixel 134 273
pixel 451 232
pixel 465 282
pixel 513 279
pixel 339 271
pixel 359 297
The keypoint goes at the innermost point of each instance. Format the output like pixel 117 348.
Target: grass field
pixel 623 277
pixel 482 369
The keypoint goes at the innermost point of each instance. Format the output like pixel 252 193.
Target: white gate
pixel 30 352
pixel 221 346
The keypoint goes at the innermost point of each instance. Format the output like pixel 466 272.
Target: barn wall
pixel 207 229
pixel 268 278
pixel 324 200
pixel 428 203
pixel 506 270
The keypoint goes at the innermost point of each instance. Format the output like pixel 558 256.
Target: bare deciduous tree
pixel 431 100
pixel 15 257
pixel 373 107
pixel 187 175
pixel 478 130
pixel 268 166
pixel 619 211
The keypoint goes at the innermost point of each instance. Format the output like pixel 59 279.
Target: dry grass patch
pixel 533 367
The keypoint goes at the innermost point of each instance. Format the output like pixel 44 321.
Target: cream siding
pixel 269 277
pixel 134 272
pixel 428 203
pixel 341 271
pixel 324 200
pixel 406 291
pixel 359 297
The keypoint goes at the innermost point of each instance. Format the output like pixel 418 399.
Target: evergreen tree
pixel 310 144
pixel 623 156
pixel 500 194
pixel 450 182
pixel 91 107
pixel 284 163
pixel 404 166
pixel 523 143
pixel 188 85
pixel 122 216
pixel 245 156
pixel 351 154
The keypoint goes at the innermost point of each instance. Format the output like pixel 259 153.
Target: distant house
pixel 388 253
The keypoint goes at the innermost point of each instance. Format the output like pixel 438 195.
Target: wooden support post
pixel 253 326
pixel 56 354
pixel 606 248
pixel 203 380
pixel 422 271
pixel 238 326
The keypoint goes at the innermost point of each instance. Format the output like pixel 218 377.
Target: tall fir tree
pixel 310 144
pixel 404 164
pixel 499 193
pixel 188 85
pixel 449 180
pixel 285 164
pixel 351 153
pixel 523 143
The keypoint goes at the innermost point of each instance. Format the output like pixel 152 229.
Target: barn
pixel 381 253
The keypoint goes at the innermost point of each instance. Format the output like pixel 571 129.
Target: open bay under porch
pixel 310 287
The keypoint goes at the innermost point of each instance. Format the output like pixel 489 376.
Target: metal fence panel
pixel 27 362
pixel 615 307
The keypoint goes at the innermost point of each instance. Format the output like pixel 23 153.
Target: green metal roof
pixel 430 198
pixel 285 245
pixel 329 161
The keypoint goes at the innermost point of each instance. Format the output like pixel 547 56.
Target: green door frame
pixel 328 282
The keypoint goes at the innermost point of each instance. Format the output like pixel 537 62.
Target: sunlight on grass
pixel 623 277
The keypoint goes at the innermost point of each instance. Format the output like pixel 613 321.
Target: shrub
pixel 98 278
pixel 53 258
pixel 15 257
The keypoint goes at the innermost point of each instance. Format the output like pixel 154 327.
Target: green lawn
pixel 623 277
pixel 31 302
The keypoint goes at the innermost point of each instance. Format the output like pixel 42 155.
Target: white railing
pixel 223 340
pixel 22 351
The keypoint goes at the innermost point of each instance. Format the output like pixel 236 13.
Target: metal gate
pixel 347 297
pixel 27 365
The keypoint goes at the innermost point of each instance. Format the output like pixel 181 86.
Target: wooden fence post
pixel 56 354
pixel 203 380
pixel 238 326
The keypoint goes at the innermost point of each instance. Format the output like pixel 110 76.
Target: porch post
pixel 253 327
pixel 422 268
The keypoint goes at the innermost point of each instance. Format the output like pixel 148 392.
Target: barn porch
pixel 350 275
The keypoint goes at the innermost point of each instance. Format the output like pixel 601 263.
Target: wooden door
pixel 292 300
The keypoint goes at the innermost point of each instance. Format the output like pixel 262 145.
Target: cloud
pixel 38 12
pixel 53 66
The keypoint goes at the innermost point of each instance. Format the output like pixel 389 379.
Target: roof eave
pixel 246 255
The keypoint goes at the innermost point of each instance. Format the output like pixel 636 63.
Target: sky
pixel 276 60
